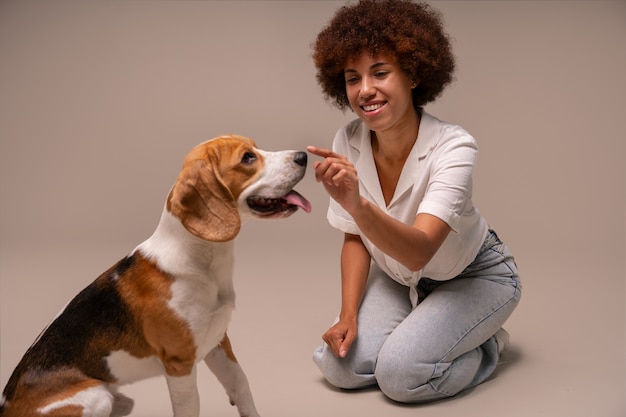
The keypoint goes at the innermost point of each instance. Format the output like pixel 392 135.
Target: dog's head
pixel 228 179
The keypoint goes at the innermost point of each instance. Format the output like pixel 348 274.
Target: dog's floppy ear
pixel 203 203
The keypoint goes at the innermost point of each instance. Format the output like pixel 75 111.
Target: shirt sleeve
pixel 449 191
pixel 340 219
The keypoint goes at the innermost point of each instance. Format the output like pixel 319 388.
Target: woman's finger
pixel 323 152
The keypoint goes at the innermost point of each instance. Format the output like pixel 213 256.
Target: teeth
pixel 372 107
pixel 266 201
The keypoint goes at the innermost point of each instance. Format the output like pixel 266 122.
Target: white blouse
pixel 436 179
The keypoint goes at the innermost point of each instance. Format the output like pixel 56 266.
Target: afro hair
pixel 411 32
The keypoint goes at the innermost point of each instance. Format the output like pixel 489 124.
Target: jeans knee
pixel 341 373
pixel 343 378
pixel 404 381
pixel 392 379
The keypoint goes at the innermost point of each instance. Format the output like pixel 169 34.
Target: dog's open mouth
pixel 286 204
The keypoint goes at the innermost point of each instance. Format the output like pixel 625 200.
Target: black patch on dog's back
pixel 97 313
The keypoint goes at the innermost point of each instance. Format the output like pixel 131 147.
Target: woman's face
pixel 379 92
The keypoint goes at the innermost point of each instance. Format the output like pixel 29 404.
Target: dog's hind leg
pixel 122 405
pixel 222 362
pixel 94 401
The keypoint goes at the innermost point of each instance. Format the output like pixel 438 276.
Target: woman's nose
pixel 367 88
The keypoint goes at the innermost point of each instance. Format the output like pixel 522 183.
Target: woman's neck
pixel 395 144
pixel 390 150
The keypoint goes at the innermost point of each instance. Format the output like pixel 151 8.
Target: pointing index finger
pixel 324 153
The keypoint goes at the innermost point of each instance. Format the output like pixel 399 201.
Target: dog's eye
pixel 248 158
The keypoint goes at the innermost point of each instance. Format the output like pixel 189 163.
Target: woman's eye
pixel 248 158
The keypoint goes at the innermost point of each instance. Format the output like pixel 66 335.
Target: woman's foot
pixel 502 340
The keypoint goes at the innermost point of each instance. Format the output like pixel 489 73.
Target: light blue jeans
pixel 444 345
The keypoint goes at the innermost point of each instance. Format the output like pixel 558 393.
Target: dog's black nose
pixel 300 158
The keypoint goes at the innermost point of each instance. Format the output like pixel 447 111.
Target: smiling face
pixel 379 92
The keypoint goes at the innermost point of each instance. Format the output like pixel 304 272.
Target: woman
pixel 426 285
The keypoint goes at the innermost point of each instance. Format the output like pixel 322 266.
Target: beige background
pixel 100 101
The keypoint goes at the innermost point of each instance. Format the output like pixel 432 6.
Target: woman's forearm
pixel 355 265
pixel 411 245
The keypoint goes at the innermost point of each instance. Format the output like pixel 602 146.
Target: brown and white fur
pixel 167 305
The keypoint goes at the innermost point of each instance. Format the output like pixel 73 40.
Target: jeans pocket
pixel 494 259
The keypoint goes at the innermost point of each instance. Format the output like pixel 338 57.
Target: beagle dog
pixel 165 306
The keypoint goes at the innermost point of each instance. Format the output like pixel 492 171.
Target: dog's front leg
pixel 184 394
pixel 222 362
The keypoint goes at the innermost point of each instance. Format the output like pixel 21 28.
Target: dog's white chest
pixel 207 310
pixel 206 301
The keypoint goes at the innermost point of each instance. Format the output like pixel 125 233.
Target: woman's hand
pixel 340 337
pixel 338 176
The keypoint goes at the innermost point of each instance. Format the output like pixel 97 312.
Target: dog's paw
pixel 244 412
pixel 122 405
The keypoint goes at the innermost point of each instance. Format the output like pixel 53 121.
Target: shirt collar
pixel 365 166
pixel 427 138
pixel 428 135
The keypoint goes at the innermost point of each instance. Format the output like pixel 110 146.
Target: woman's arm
pixel 411 245
pixel 355 264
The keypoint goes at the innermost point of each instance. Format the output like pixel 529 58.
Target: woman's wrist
pixel 348 316
pixel 358 211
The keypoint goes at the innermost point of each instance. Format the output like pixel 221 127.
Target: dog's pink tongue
pixel 293 197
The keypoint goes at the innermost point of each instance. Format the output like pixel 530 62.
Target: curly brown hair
pixel 411 32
